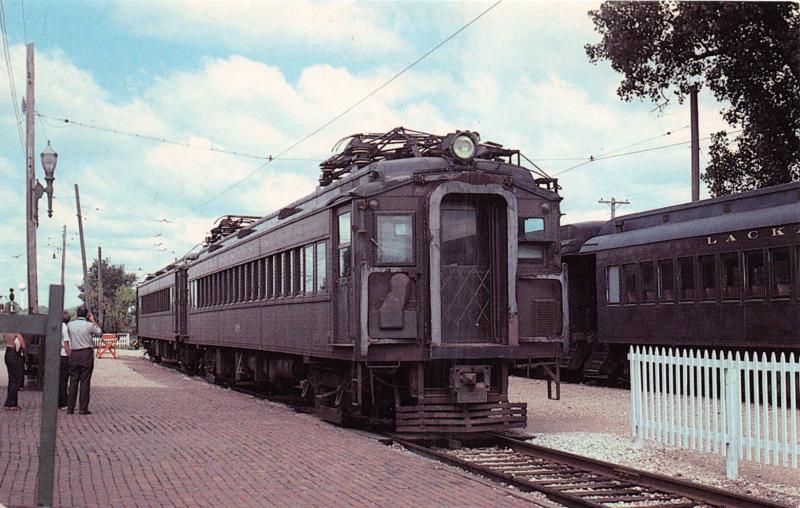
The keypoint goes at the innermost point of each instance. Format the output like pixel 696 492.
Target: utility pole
pixel 100 285
pixel 30 186
pixel 63 251
pixel 614 204
pixel 83 250
pixel 695 146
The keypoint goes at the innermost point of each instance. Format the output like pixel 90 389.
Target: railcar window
pixel 755 273
pixel 532 228
pixel 321 267
pixel 687 278
pixel 708 278
pixel 460 238
pixel 344 245
pixel 666 280
pixel 648 282
pixel 288 274
pixel 276 259
pixel 781 272
pixel 631 289
pixel 730 275
pixel 297 266
pixel 395 239
pixel 308 260
pixel 243 283
pixel 612 286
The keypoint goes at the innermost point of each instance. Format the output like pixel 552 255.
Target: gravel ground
pixel 594 421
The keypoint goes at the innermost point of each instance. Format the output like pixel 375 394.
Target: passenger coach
pixel 715 274
pixel 403 288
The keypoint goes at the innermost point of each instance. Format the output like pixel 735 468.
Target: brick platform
pixel 158 438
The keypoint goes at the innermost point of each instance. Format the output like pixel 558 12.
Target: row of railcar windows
pixel 750 274
pixel 159 301
pixel 299 271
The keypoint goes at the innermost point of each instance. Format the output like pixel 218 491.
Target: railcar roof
pixel 770 206
pixel 370 179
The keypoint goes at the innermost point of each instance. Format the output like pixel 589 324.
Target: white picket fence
pixel 123 341
pixel 738 406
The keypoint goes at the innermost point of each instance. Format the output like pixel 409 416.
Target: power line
pixel 353 106
pixel 10 73
pixel 157 139
pixel 604 157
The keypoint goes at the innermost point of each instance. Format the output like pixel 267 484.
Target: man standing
pixel 81 359
pixel 63 372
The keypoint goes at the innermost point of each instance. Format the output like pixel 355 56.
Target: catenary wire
pixel 351 107
pixel 10 73
pixel 614 156
pixel 148 137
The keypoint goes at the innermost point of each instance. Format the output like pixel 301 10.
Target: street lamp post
pixel 49 159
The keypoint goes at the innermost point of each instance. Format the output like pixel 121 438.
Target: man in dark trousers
pixel 63 371
pixel 81 359
pixel 15 363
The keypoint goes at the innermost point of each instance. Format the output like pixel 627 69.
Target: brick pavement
pixel 159 438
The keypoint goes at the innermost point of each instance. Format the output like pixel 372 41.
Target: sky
pixel 254 77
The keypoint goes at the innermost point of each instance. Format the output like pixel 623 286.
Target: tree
pixel 119 297
pixel 746 53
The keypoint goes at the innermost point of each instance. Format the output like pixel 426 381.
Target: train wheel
pixel 188 360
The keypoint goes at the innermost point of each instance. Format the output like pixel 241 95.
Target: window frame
pixel 375 248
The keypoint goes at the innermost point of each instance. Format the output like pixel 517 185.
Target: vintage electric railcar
pixel 403 289
pixel 714 274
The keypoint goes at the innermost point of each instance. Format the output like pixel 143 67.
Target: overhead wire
pixel 10 72
pixel 614 156
pixel 351 107
pixel 158 139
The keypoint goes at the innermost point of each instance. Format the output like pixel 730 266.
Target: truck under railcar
pixel 402 290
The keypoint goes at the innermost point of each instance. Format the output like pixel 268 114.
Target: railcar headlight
pixel 463 147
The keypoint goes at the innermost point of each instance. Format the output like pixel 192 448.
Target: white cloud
pixel 316 27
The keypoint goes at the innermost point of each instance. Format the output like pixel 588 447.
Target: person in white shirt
pixel 63 372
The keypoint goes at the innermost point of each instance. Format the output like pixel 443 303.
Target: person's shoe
pixel 85 412
pixel 12 408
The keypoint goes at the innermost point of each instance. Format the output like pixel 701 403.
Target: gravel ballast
pixel 594 421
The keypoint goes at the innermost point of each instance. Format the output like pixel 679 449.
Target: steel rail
pixel 576 481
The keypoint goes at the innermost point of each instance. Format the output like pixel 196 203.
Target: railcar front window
pixel 395 239
pixel 708 278
pixel 631 289
pixel 531 252
pixel 665 280
pixel 755 272
pixel 612 288
pixel 460 238
pixel 648 282
pixel 730 275
pixel 533 228
pixel 344 244
pixel 781 272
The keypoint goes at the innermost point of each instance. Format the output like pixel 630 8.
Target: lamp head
pixel 49 161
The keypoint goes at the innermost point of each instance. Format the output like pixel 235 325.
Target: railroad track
pixel 575 481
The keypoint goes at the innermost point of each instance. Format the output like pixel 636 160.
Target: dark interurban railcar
pixel 404 288
pixel 714 274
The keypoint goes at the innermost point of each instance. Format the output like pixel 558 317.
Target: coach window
pixel 686 266
pixel 781 272
pixel 648 282
pixel 708 280
pixel 755 272
pixel 321 274
pixel 629 277
pixel 612 284
pixel 666 281
pixel 297 271
pixel 344 244
pixel 308 270
pixel 278 275
pixel 269 280
pixel 395 242
pixel 730 276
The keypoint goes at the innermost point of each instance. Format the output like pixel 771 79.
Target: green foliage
pixel 746 53
pixel 119 296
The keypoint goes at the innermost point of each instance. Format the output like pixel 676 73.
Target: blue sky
pixel 256 76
